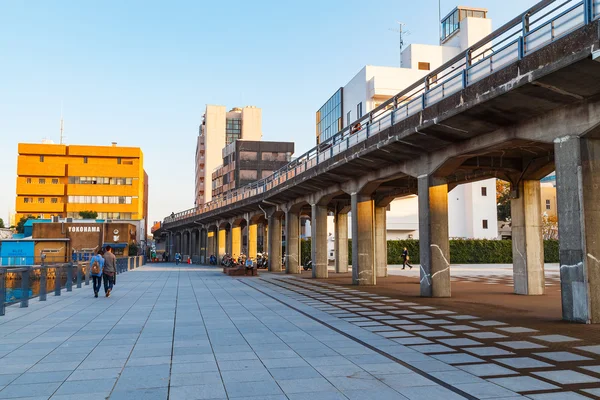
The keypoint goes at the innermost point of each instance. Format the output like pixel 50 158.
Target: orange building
pixel 61 180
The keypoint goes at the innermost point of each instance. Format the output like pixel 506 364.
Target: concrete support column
pixel 578 199
pixel 292 238
pixel 236 241
pixel 274 234
pixel 319 241
pixel 381 242
pixel 363 239
pixel 228 241
pixel 433 239
pixel 341 243
pixel 265 239
pixel 527 240
pixel 221 238
pixel 252 240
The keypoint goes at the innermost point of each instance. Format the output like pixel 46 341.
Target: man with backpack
pixel 96 266
pixel 109 271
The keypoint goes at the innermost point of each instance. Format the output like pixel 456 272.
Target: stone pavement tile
pixel 188 358
pixel 487 369
pixel 143 377
pixel 359 381
pixel 590 349
pixel 409 379
pixel 485 390
pixel 593 392
pixel 265 355
pixel 432 366
pixel 485 335
pixel 251 375
pixel 555 338
pixel 5 379
pixel 430 393
pixel 306 385
pixel 463 317
pixel 395 334
pixel 79 396
pixel 311 396
pixel 86 374
pixel 520 344
pixel 8 368
pixel 29 390
pixel 439 322
pixel 591 368
pixel 456 377
pixel 559 396
pixel 143 361
pixel 339 370
pixel 432 348
pixel 488 351
pixel 457 358
pixel 385 368
pixel 442 312
pixel 460 342
pixel 416 327
pixel 249 355
pixel 379 394
pixel 90 386
pixel 562 356
pixel 282 363
pixel 522 384
pixel 522 362
pixel 489 323
pixel 516 329
pixel 434 334
pixel 459 328
pixel 195 378
pixel 412 340
pixel 191 367
pixel 566 377
pixel 198 392
pixel 246 389
pixel 363 359
pixel 43 377
pixel 98 364
pixel 294 373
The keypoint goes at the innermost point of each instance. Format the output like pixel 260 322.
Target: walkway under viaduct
pixel 529 114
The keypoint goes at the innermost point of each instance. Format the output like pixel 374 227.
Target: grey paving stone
pixel 317 385
pixel 432 348
pixel 522 384
pixel 460 342
pixel 248 389
pixel 485 390
pixel 314 396
pixel 434 334
pixel 590 349
pixel 86 374
pixel 459 328
pixel 385 368
pixel 90 386
pixel 191 367
pixel 489 323
pixel 457 358
pixel 555 338
pixel 404 380
pixel 560 396
pixel 516 329
pixel 488 351
pixel 520 344
pixel 198 392
pixel 339 370
pixel 456 377
pixel 429 393
pixel 294 373
pixel 487 369
pixel 562 356
pixel 593 392
pixel 29 390
pixel 195 378
pixel 412 340
pixel 566 377
pixel 42 377
pixel 522 362
pixel 361 381
pixel 485 335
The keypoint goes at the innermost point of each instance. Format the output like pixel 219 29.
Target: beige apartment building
pixel 220 128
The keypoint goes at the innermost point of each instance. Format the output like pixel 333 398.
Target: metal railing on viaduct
pixel 517 105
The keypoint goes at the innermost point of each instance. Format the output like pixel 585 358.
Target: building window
pixel 118 160
pixel 54 200
pixel 28 180
pixel 41 158
pixel 55 181
pixel 424 66
pixel 485 224
pixel 41 200
pixel 359 110
pixel 85 160
pixel 25 200
pixel 484 191
pixel 330 117
pixel 233 130
pixel 548 205
pixel 42 181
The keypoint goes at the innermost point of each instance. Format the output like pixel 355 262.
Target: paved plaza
pixel 192 333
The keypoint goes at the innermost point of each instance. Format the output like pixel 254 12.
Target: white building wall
pixel 484 208
pixel 214 142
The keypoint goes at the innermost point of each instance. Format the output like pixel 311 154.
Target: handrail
pixel 436 85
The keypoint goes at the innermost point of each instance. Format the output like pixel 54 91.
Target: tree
pixel 21 224
pixel 503 199
pixel 88 214
pixel 133 249
pixel 1 223
pixel 549 226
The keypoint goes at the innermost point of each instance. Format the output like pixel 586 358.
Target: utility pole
pixel 401 33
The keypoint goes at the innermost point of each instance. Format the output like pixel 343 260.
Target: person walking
pixel 109 271
pixel 406 258
pixel 96 266
pixel 177 258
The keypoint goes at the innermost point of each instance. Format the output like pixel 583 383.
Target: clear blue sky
pixel 140 72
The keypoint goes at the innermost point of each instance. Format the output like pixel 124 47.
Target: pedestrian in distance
pixel 177 258
pixel 96 267
pixel 109 271
pixel 406 258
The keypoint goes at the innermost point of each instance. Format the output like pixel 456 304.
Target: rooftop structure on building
pixel 220 128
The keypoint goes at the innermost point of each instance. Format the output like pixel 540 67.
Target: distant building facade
pixel 246 161
pixel 63 180
pixel 471 207
pixel 220 128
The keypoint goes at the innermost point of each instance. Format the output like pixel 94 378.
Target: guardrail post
pixel 43 283
pixel 69 278
pixel 57 277
pixel 2 290
pixel 79 277
pixel 521 47
pixel 25 287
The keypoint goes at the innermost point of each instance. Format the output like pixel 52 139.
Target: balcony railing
pixel 539 26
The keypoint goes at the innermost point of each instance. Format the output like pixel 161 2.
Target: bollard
pixel 69 277
pixel 25 287
pixel 57 273
pixel 43 283
pixel 2 290
pixel 88 268
pixel 79 273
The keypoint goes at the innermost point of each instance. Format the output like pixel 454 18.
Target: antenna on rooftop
pixel 401 33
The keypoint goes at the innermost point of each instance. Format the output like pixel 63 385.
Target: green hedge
pixel 474 251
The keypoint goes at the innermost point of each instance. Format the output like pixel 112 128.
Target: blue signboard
pixel 16 253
